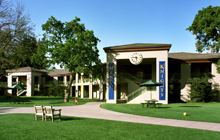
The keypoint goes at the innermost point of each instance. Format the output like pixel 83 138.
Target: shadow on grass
pixel 65 118
pixel 190 106
pixel 29 103
pixel 163 107
pixel 56 102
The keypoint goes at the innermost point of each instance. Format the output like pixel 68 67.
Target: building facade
pixel 126 68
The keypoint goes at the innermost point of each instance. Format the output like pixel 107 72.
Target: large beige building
pixel 128 66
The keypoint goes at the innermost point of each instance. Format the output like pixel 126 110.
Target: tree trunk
pixel 67 94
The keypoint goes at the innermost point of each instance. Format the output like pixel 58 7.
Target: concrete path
pixel 93 110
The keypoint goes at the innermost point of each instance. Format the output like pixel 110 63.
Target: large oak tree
pixel 206 28
pixel 71 46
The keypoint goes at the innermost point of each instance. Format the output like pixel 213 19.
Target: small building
pixel 128 66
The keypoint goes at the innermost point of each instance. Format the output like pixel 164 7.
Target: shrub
pixel 201 90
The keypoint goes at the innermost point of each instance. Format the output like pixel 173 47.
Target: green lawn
pixel 205 112
pixel 42 100
pixel 23 126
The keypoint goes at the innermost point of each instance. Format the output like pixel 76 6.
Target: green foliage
pixel 51 91
pixel 54 90
pixel 71 46
pixel 41 91
pixel 218 66
pixel 14 25
pixel 174 89
pixel 61 88
pixel 206 28
pixel 201 90
pixel 27 47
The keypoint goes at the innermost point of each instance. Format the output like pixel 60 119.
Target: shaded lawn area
pixel 205 112
pixel 42 100
pixel 23 126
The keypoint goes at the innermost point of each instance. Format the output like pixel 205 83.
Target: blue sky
pixel 119 22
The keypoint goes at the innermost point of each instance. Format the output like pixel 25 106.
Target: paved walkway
pixel 93 110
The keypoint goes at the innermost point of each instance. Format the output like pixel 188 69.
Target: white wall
pixel 161 55
pixel 216 79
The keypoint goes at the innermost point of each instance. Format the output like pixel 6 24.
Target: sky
pixel 120 22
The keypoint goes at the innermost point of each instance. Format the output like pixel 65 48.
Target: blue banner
pixel 162 93
pixel 111 81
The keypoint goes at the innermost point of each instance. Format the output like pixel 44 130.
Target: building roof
pixel 59 72
pixel 194 57
pixel 137 47
pixel 27 69
pixel 55 72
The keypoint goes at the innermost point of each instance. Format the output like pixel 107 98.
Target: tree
pixel 201 90
pixel 14 24
pixel 71 46
pixel 26 48
pixel 206 27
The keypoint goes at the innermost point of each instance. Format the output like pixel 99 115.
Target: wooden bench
pixel 49 111
pixel 39 111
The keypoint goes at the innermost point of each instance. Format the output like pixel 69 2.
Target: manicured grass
pixel 23 126
pixel 42 100
pixel 205 112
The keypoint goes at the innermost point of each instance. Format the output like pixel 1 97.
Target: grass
pixel 205 112
pixel 23 126
pixel 42 100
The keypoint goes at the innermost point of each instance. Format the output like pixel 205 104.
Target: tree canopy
pixel 206 27
pixel 71 46
pixel 17 39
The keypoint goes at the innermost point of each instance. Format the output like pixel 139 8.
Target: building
pixel 128 66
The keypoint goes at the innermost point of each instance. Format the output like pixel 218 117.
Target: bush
pixel 54 90
pixel 61 90
pixel 201 90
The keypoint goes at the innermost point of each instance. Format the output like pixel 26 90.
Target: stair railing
pixel 136 93
pixel 21 92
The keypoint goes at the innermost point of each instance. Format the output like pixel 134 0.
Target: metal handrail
pixel 136 93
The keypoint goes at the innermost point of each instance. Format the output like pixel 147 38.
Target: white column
pixel 76 84
pixel 55 80
pixel 30 85
pixel 39 82
pixel 163 56
pixel 9 78
pixel 111 59
pixel 71 88
pixel 64 80
pixel 82 86
pixel 17 80
pixel 65 83
pixel 90 89
pixel 100 96
pixel 94 94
